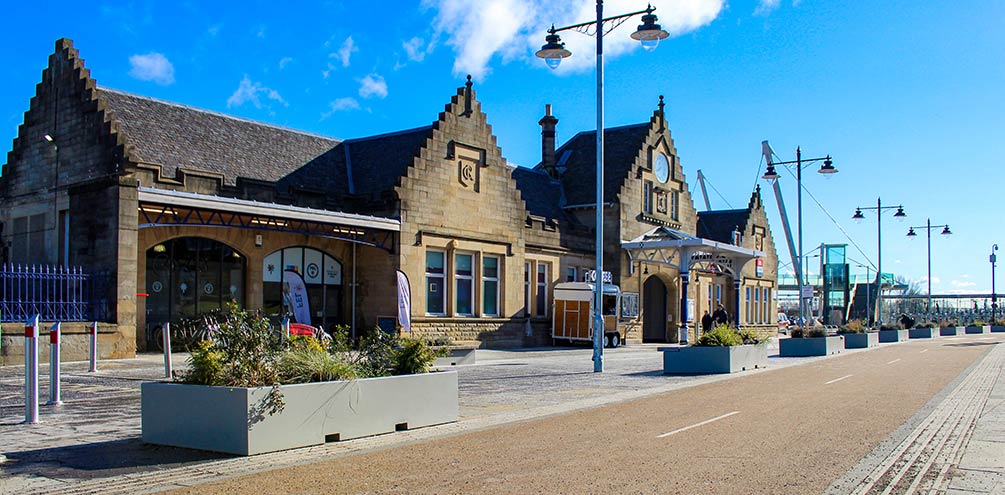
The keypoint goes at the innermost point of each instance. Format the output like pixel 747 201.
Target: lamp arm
pixel 622 17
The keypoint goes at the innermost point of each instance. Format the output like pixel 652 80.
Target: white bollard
pixel 286 327
pixel 31 371
pixel 55 336
pixel 166 338
pixel 94 348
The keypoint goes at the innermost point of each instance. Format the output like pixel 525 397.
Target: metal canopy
pixel 683 251
pixel 160 208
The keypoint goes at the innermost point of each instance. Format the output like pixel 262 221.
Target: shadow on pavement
pixel 103 459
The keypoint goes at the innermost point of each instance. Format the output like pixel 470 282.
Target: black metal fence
pixel 56 293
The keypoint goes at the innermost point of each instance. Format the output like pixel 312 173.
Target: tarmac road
pixel 790 430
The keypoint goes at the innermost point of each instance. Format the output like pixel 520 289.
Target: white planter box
pixel 924 333
pixel 456 356
pixel 950 331
pixel 861 340
pixel 229 419
pixel 695 360
pixel 894 335
pixel 810 346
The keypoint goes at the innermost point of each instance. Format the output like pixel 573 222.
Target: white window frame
pixel 443 285
pixel 486 279
pixel 469 278
pixel 542 290
pixel 747 308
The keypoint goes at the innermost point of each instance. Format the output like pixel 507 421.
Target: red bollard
pixel 55 336
pixel 31 371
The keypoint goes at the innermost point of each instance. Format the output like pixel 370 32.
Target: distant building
pixel 189 208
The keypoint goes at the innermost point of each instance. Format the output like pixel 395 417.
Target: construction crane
pixel 768 158
pixel 704 193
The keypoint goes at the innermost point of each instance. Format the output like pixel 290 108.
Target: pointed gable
pixel 578 158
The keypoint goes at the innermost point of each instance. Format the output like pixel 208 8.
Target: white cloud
pixel 414 49
pixel 284 61
pixel 340 105
pixel 897 262
pixel 152 67
pixel 213 30
pixel 345 51
pixel 764 7
pixel 479 32
pixel 327 72
pixel 252 92
pixel 962 283
pixel 373 85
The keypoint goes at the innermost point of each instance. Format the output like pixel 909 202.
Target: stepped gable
pixel 579 157
pixel 177 137
pixel 541 193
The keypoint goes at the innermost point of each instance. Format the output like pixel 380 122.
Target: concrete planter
pixel 860 340
pixel 893 335
pixel 231 420
pixel 457 356
pixel 997 328
pixel 811 346
pixel 950 331
pixel 704 359
pixel 977 330
pixel 924 333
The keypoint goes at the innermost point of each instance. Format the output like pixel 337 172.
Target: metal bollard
pixel 94 348
pixel 286 327
pixel 55 334
pixel 166 338
pixel 31 371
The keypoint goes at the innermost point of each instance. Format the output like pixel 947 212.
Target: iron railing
pixel 55 293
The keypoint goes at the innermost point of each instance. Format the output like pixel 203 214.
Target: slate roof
pixel 542 194
pixel 177 136
pixel 367 165
pixel 579 179
pixel 718 225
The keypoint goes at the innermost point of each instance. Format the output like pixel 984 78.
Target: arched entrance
pixel 322 275
pixel 188 276
pixel 654 307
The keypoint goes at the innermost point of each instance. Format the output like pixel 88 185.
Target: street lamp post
pixel 649 34
pixel 928 227
pixel 994 295
pixel 772 176
pixel 858 217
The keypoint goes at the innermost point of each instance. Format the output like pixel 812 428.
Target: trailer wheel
pixel 607 340
pixel 615 340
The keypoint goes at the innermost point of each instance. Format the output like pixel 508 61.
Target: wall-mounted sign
pixel 759 267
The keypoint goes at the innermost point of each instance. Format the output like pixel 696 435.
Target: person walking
pixel 706 322
pixel 720 316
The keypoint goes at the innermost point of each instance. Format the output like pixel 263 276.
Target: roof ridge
pixel 388 134
pixel 215 113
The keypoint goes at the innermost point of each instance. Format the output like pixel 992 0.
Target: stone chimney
pixel 548 124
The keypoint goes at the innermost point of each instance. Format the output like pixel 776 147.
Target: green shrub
pixel 414 356
pixel 853 326
pixel 312 363
pixel 891 326
pixel 751 336
pixel 720 336
pixel 205 365
pixel 797 332
pixel 816 332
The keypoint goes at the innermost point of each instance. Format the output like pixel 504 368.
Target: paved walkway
pixel 91 444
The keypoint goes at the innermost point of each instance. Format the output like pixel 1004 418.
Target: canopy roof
pixel 666 246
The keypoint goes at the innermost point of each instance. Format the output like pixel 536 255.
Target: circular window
pixel 661 167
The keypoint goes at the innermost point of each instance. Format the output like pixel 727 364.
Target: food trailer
pixel 573 313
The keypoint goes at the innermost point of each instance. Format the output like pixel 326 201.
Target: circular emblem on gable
pixel 157 286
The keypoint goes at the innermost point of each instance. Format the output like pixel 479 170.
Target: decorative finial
pixel 467 98
pixel 663 120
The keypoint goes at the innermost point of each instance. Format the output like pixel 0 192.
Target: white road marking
pixel 838 379
pixel 894 361
pixel 923 351
pixel 707 421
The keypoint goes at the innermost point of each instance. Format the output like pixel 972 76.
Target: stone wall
pixel 76 343
pixel 489 333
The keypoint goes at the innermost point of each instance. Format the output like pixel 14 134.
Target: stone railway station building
pixel 189 208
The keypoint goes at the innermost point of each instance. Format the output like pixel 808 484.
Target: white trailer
pixel 572 318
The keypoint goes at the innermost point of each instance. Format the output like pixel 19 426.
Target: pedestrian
pixel 706 322
pixel 906 321
pixel 720 316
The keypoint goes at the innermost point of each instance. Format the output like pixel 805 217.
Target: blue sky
pixel 907 96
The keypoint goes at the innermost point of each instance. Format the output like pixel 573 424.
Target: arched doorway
pixel 654 319
pixel 188 276
pixel 322 275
